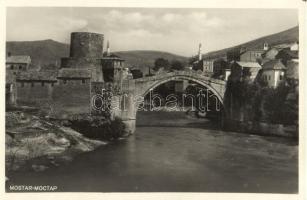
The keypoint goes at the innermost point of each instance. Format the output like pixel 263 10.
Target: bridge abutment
pixel 125 109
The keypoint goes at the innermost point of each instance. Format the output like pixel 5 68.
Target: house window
pixel 83 81
pixel 43 83
pixel 32 84
pixel 20 67
pixel 64 81
pixel 12 66
pixel 280 77
pixel 52 84
pixel 269 77
pixel 22 84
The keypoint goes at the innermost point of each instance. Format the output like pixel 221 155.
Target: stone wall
pixel 34 92
pixel 93 64
pixel 71 98
pixel 58 99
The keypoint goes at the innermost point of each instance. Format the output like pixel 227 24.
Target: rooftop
pixel 37 76
pixel 18 59
pixel 74 73
pixel 274 65
pixel 248 64
pixel 112 57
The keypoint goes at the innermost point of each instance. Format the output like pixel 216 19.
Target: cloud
pixel 166 29
pixel 154 22
pixel 72 24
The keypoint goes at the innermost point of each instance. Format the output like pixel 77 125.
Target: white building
pixel 273 72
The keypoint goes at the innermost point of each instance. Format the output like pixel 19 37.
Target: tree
pixel 161 62
pixel 177 65
pixel 136 73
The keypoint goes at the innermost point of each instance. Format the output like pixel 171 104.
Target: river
pixel 174 152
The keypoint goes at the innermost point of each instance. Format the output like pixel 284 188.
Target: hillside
pixel 42 52
pixel 49 53
pixel 287 36
pixel 143 59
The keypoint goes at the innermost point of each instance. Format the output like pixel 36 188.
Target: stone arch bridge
pixel 127 104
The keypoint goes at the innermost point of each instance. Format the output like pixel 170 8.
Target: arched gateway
pixel 133 89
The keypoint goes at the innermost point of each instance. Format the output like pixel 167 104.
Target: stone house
pixel 252 55
pixel 271 53
pixel 220 68
pixel 17 63
pixel 273 72
pixel 244 70
pixel 10 88
pixel 14 65
pixel 205 65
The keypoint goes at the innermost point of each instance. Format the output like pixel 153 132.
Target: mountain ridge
pixel 48 52
pixel 287 36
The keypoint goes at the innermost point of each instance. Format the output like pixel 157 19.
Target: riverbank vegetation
pixel 257 103
pixel 101 129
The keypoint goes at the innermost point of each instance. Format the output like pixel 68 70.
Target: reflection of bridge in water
pixel 138 88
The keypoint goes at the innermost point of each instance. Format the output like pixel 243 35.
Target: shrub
pixel 98 128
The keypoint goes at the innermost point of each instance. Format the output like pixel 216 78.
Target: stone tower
pixel 84 44
pixel 86 51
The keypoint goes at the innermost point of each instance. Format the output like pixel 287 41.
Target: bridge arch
pixel 150 85
pixel 135 88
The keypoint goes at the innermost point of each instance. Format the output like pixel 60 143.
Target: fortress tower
pixel 84 44
pixel 86 52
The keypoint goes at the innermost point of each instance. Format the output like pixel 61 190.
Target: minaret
pixel 108 48
pixel 199 52
pixel 265 46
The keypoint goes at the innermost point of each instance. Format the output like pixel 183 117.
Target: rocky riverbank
pixel 37 143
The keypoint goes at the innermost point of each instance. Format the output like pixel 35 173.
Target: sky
pixel 174 30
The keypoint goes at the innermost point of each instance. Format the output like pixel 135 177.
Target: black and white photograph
pixel 130 99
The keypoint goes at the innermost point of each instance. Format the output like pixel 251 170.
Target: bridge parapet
pixel 142 85
pixel 190 73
